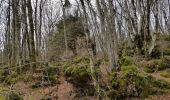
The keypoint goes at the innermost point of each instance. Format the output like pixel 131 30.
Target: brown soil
pixel 28 93
pixel 65 90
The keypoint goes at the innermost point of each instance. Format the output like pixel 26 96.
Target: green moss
pixel 2 98
pixel 127 60
pixel 78 67
pixel 165 74
pixel 53 79
pixel 157 61
pixel 77 71
pixel 162 84
pixel 164 64
pixel 129 82
pixel 157 65
pixel 81 60
pixel 149 69
pixel 129 70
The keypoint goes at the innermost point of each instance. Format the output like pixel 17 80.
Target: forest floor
pixel 63 91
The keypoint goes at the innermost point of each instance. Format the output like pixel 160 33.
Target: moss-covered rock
pixel 77 71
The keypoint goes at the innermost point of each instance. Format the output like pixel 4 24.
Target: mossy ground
pixel 130 81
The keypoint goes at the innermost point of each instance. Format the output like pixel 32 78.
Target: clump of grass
pixel 165 74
